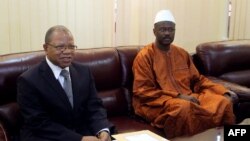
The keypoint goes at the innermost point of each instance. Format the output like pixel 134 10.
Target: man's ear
pixel 154 31
pixel 45 47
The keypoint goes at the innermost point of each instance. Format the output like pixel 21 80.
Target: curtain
pixel 240 20
pixel 25 22
pixel 104 23
pixel 196 21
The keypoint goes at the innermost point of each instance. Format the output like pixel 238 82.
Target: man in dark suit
pixel 56 108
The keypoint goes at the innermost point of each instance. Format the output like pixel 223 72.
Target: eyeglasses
pixel 63 47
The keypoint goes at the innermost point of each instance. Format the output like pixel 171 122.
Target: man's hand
pixel 104 136
pixel 90 138
pixel 232 96
pixel 189 98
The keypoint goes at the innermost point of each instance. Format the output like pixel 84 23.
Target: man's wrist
pixel 103 131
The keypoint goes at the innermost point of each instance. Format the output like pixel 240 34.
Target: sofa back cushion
pixel 11 66
pixel 105 66
pixel 229 60
pixel 127 56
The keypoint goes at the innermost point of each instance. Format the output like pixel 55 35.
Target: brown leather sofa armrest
pixel 3 136
pixel 10 117
pixel 242 91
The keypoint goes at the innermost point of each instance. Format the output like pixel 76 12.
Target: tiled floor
pixel 209 135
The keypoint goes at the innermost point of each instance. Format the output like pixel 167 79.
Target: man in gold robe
pixel 168 90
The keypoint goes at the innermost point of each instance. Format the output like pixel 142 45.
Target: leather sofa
pixel 228 63
pixel 112 71
pixel 111 68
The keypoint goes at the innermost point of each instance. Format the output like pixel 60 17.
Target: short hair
pixel 55 28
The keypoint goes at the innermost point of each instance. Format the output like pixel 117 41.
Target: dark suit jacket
pixel 47 112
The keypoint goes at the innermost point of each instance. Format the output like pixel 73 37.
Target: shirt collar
pixel 55 69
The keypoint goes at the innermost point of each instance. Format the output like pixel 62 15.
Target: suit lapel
pixel 52 82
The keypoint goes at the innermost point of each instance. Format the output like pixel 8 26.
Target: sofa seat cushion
pixel 126 124
pixel 239 77
pixel 115 101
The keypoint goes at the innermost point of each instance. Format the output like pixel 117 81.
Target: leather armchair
pixel 228 63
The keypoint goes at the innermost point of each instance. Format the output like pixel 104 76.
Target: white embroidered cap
pixel 164 15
